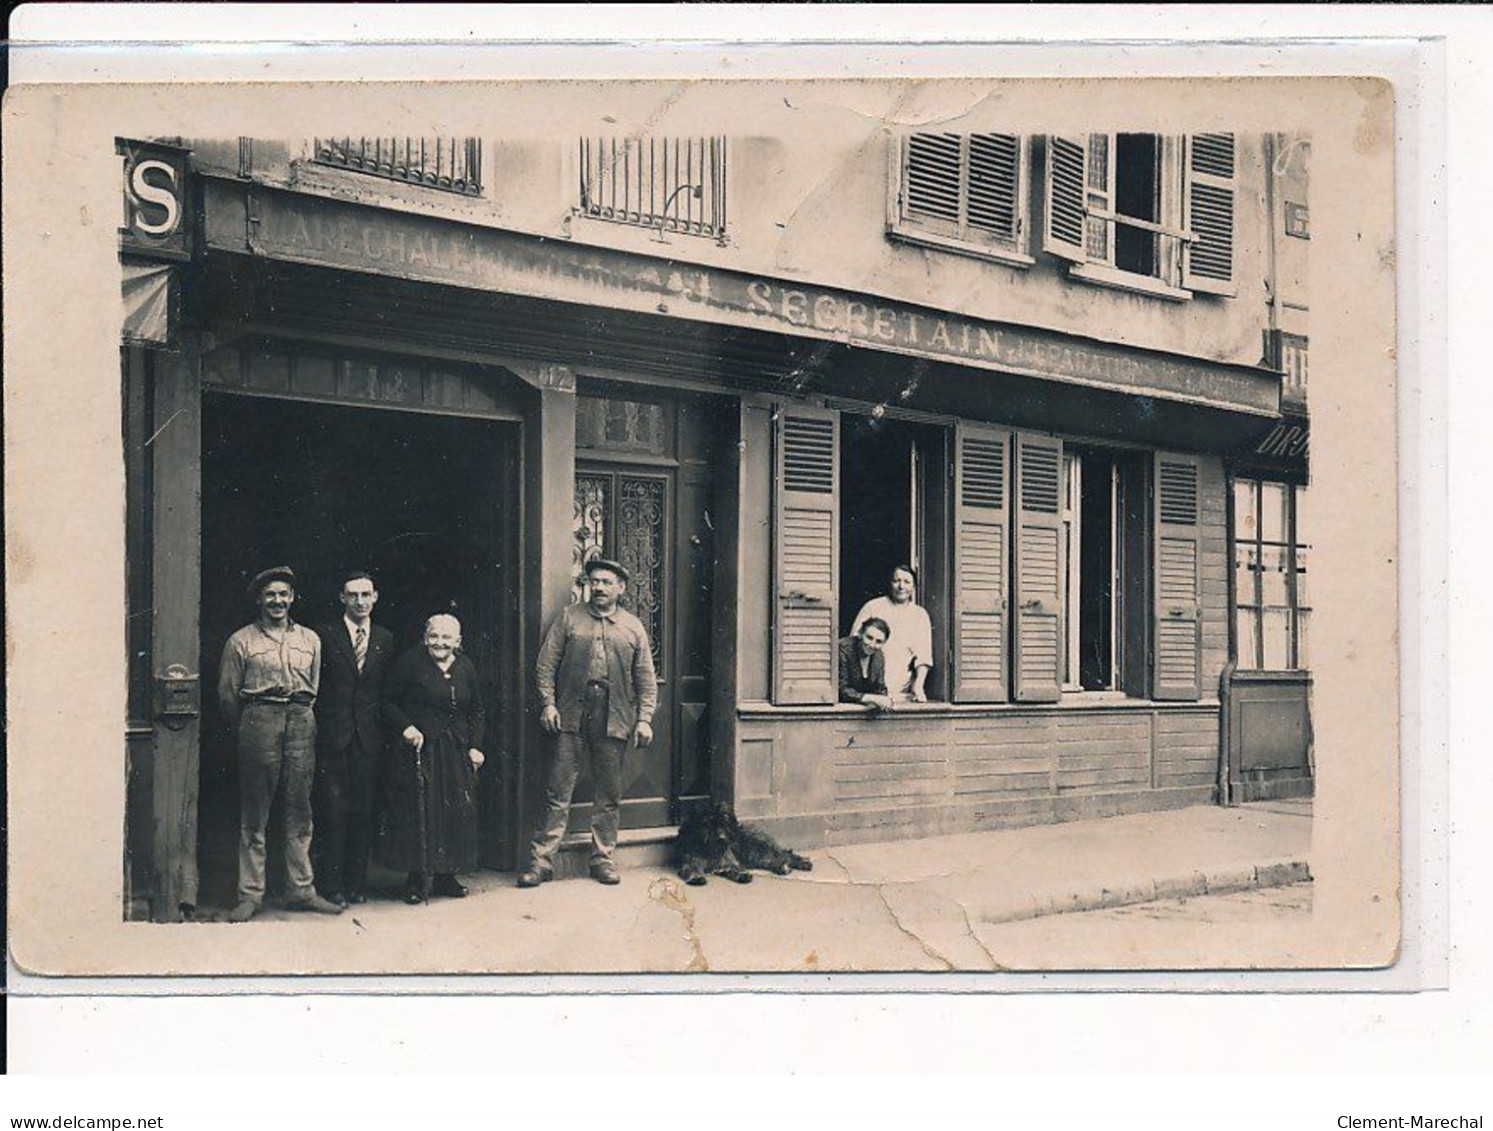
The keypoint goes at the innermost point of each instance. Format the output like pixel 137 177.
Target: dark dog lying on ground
pixel 712 842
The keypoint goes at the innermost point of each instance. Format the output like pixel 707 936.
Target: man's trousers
pixel 276 754
pixel 604 754
pixel 342 801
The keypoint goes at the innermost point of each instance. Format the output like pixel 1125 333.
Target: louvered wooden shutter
pixel 1063 225
pixel 981 565
pixel 967 186
pixel 994 184
pixel 1039 569
pixel 1208 263
pixel 1177 643
pixel 807 557
pixel 933 176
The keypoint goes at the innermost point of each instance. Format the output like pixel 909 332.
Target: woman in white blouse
pixel 909 649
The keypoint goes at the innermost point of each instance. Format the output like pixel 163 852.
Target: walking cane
pixel 424 831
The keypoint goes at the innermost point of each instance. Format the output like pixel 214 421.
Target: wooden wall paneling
pixel 176 454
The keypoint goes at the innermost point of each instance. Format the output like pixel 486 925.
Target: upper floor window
pixel 667 184
pixel 1144 211
pixel 448 163
pixel 964 192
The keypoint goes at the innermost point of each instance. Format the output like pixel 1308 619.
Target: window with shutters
pixel 1272 603
pixel 1046 568
pixel 1144 212
pixel 963 192
pixel 893 512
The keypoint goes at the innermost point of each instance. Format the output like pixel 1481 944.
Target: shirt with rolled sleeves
pixel 258 666
pixel 617 644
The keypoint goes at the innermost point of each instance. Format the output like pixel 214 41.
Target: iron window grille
pixel 446 163
pixel 667 184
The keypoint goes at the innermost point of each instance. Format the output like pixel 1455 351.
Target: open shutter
pixel 1063 224
pixel 1039 569
pixel 807 555
pixel 1099 197
pixel 1177 643
pixel 1208 263
pixel 981 564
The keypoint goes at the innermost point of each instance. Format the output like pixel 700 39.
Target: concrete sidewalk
pixel 931 904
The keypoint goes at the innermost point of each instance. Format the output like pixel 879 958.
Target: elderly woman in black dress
pixel 433 708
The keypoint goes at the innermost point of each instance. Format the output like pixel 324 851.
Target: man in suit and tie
pixel 355 653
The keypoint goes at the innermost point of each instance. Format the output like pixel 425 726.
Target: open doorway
pixel 427 503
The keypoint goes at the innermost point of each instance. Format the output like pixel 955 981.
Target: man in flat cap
pixel 598 690
pixel 266 685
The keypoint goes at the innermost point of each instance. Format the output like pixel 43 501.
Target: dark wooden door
pixel 626 513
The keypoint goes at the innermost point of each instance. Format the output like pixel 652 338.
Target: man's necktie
pixel 360 646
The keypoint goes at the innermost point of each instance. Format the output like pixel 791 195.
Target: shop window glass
pixel 1270 588
pixel 1276 635
pixel 615 424
pixel 1273 512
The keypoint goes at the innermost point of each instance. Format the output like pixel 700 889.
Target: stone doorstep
pixel 1219 881
pixel 636 848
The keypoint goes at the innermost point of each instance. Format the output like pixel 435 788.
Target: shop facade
pixel 1023 366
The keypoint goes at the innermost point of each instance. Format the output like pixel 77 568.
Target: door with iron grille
pixel 624 513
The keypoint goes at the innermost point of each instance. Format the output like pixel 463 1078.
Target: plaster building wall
pixel 807 200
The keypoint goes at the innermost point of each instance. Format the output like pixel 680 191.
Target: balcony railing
pixel 669 184
pixel 446 163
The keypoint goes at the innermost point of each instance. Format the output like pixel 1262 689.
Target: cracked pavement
pixel 1006 900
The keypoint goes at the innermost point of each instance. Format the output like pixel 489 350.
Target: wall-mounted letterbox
pixel 178 696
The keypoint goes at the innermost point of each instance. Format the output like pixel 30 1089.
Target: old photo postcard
pixel 891 526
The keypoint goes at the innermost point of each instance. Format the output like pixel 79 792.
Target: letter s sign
pixel 156 216
pixel 163 194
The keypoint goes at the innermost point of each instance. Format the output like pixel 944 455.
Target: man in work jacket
pixel 598 690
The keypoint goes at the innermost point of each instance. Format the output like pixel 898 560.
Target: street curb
pixel 1219 881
